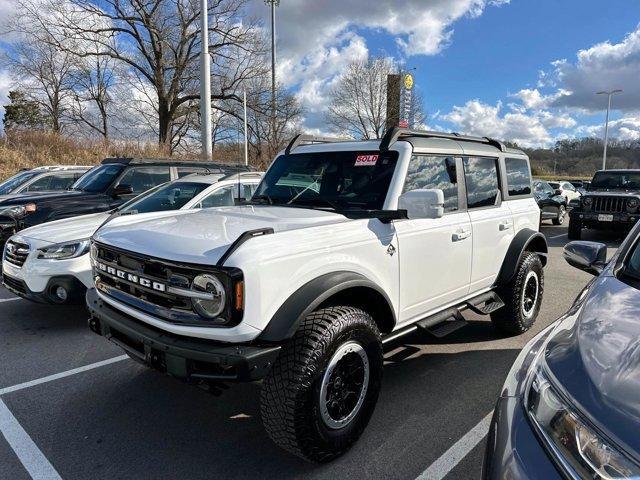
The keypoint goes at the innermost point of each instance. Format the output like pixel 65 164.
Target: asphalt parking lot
pixel 116 419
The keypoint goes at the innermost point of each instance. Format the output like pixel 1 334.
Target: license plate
pixel 605 218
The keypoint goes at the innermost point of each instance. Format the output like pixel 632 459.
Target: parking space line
pixel 558 236
pixel 447 462
pixel 2 300
pixel 27 451
pixel 57 376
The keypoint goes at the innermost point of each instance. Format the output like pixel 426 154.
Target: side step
pixel 442 324
pixel 486 303
pixel 449 320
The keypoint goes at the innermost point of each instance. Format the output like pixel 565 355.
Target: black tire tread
pixel 509 318
pixel 293 373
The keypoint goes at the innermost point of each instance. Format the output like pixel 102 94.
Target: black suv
pixel 611 203
pixel 102 188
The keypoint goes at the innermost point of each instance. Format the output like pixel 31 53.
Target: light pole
pixel 205 84
pixel 609 94
pixel 274 4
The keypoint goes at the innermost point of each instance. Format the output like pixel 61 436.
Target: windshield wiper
pixel 314 202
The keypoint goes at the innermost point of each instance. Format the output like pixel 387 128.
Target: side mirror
pixel 558 191
pixel 121 190
pixel 422 203
pixel 590 257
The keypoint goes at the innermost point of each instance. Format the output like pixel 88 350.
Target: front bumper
pixel 191 359
pixel 593 220
pixel 74 288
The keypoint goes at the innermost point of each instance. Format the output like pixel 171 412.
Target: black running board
pixel 450 320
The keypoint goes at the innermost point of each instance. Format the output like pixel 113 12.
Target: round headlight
pixel 587 201
pixel 212 302
pixel 632 204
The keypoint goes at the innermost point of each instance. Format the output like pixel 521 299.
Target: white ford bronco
pixel 344 247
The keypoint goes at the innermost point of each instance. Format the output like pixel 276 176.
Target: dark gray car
pixel 570 407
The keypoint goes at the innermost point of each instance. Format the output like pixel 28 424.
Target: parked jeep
pixel 611 203
pixel 345 247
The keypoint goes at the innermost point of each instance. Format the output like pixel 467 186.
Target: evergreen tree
pixel 22 113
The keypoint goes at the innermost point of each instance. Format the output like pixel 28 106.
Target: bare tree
pixel 94 79
pixel 41 70
pixel 159 42
pixel 358 106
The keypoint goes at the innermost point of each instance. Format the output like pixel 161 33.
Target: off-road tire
pixel 562 213
pixel 575 229
pixel 290 397
pixel 512 318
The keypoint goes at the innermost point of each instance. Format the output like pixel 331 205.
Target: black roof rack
pixel 397 133
pixel 211 166
pixel 303 138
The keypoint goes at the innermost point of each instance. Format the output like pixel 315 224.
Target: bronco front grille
pixel 16 253
pixel 608 204
pixel 154 285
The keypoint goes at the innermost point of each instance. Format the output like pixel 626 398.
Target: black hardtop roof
pixel 223 167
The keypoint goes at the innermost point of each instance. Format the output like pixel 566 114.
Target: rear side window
pixel 426 172
pixel 142 179
pixel 518 176
pixel 481 178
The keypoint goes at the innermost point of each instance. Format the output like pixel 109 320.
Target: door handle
pixel 461 235
pixel 505 226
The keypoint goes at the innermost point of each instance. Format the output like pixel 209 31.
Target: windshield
pixel 334 180
pixel 98 178
pixel 14 182
pixel 616 180
pixel 169 196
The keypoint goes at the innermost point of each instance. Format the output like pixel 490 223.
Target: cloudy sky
pixel 521 70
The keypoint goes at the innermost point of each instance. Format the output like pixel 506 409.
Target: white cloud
pixel 626 128
pixel 604 66
pixel 527 129
pixel 316 40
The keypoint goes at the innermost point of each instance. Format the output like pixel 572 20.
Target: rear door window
pixel 481 179
pixel 518 176
pixel 142 179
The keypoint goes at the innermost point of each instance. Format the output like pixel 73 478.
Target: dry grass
pixel 30 149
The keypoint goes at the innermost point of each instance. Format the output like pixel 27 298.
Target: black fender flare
pixel 526 240
pixel 310 296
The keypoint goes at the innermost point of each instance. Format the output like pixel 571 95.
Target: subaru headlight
pixel 18 211
pixel 587 201
pixel 64 251
pixel 210 304
pixel 581 451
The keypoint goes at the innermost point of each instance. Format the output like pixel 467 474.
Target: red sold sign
pixel 366 160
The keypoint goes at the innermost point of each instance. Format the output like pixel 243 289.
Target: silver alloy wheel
pixel 344 385
pixel 530 292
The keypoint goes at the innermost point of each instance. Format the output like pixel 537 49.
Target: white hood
pixel 67 229
pixel 202 236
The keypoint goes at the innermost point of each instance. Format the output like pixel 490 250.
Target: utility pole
pixel 274 106
pixel 205 84
pixel 609 94
pixel 246 133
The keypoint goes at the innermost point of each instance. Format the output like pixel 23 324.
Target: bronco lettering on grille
pixel 130 277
